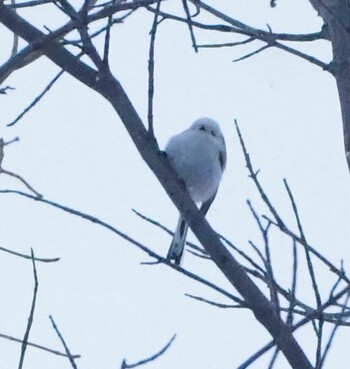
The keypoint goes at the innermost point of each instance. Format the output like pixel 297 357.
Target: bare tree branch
pixel 31 315
pixel 3 90
pixel 16 139
pixel 15 37
pixel 257 355
pixel 307 252
pixel 227 44
pixel 267 260
pixel 37 99
pixel 11 174
pixel 43 260
pixel 151 70
pixel 149 359
pixel 262 48
pixel 292 303
pixel 190 27
pixel 107 40
pixel 213 303
pixel 274 358
pixel 254 176
pixel 311 272
pixel 69 355
pixel 271 39
pixel 35 345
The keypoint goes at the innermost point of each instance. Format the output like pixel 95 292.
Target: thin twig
pixel 2 154
pixel 107 40
pixel 292 302
pixel 69 355
pixel 274 358
pixel 35 345
pixel 43 260
pixel 242 254
pixel 189 23
pixel 149 359
pixel 256 356
pixel 319 311
pixel 262 48
pixel 77 42
pixel 15 36
pixel 200 255
pixel 90 49
pixel 213 303
pixel 319 330
pixel 302 236
pixel 32 3
pixel 336 284
pixel 319 336
pixel 37 99
pixel 153 33
pixel 39 195
pixel 31 315
pixel 326 317
pixel 16 139
pixel 3 90
pixel 258 252
pixel 309 58
pixel 227 44
pixel 254 176
pixel 267 259
pixel 110 23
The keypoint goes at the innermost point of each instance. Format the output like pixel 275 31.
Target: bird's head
pixel 207 125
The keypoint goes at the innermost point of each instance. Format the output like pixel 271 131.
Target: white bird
pixel 198 155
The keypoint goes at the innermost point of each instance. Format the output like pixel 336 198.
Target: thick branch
pixel 336 15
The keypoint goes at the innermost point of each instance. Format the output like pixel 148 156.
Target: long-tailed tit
pixel 198 155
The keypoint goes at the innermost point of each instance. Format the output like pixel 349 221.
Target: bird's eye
pixel 202 128
pixel 213 133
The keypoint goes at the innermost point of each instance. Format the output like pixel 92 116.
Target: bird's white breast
pixel 194 155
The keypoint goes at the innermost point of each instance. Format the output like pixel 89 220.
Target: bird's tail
pixel 178 243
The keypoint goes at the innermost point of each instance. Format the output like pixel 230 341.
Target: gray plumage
pixel 198 155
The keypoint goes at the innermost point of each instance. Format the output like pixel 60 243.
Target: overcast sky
pixel 74 149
